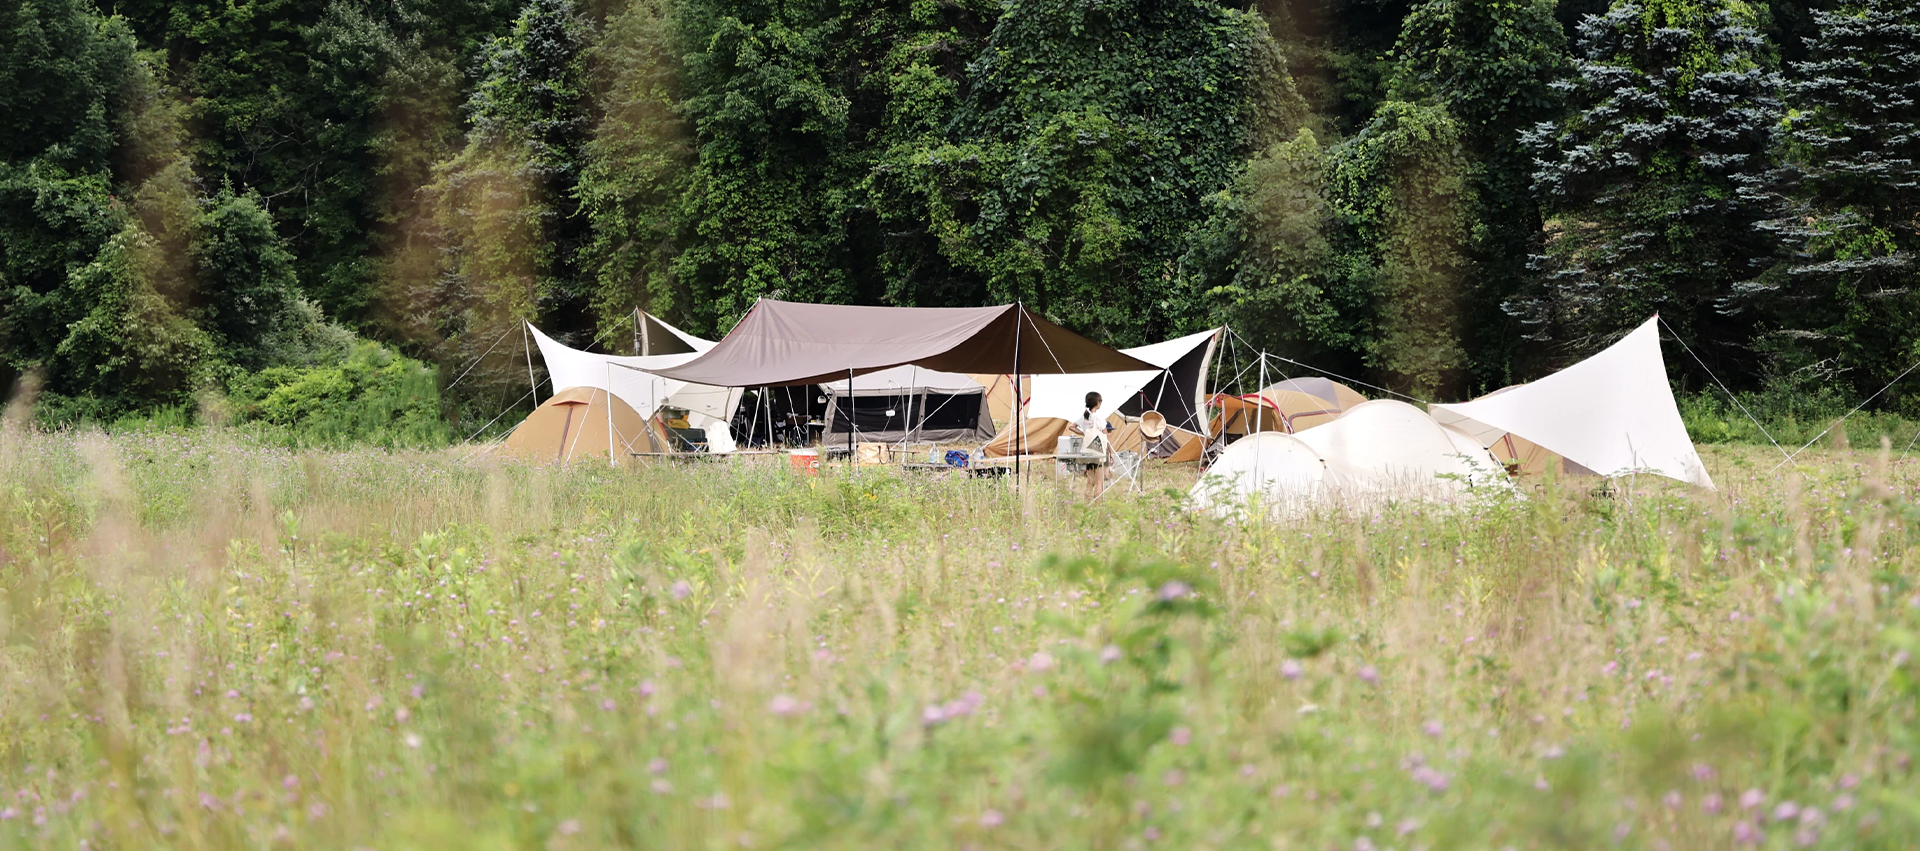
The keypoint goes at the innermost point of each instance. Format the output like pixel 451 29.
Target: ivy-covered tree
pixel 1843 310
pixel 633 176
pixel 1492 65
pixel 1081 159
pixel 1672 106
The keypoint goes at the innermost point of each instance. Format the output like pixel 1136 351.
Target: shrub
pixel 374 396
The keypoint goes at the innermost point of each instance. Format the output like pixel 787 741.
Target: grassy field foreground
pixel 210 643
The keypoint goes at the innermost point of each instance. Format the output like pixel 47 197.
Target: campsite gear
pixel 872 453
pixel 1067 446
pixel 1152 424
pixel 908 403
pixel 1175 389
pixel 1174 385
pixel 958 458
pixel 573 426
pixel 783 343
pixel 804 461
pixel 1290 406
pixel 1612 413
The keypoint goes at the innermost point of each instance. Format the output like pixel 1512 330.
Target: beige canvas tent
pixel 573 426
pixel 1291 406
pixel 999 395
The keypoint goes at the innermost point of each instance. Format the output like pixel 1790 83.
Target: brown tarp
pixel 783 342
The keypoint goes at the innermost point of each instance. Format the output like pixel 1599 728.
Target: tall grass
pixel 209 642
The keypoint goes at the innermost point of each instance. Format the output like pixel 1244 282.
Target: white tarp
pixel 1612 413
pixel 1065 396
pixel 902 380
pixel 626 378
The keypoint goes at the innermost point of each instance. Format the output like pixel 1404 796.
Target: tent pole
pixel 646 340
pixel 1260 409
pixel 1019 410
pixel 610 461
pixel 852 460
pixel 528 342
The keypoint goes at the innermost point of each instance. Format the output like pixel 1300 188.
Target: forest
pixel 252 209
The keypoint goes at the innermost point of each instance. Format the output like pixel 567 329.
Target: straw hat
pixel 1152 424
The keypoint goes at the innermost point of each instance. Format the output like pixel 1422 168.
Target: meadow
pixel 211 641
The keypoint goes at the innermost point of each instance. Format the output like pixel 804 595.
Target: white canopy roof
pixel 1065 396
pixel 906 379
pixel 627 378
pixel 1612 413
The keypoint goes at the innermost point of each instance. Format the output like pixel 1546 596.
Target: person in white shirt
pixel 1089 426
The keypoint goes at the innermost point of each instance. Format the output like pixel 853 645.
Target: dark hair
pixel 1093 401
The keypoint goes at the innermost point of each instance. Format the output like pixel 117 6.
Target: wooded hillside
pixel 1444 195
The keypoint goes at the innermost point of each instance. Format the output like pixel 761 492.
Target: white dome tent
pixel 1376 452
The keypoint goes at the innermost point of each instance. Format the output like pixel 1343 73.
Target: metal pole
pixel 1260 408
pixel 636 333
pixel 1019 410
pixel 851 459
pixel 528 342
pixel 646 339
pixel 610 461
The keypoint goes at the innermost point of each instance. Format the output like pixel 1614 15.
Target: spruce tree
pixel 1843 308
pixel 1672 104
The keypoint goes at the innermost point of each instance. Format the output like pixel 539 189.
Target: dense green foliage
pixel 1443 196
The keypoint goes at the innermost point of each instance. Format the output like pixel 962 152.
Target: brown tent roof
pixel 784 342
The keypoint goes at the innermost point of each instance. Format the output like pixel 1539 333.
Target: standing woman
pixel 1088 427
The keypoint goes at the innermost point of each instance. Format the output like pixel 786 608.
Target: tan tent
pixel 1289 406
pixel 572 426
pixel 1041 435
pixel 999 395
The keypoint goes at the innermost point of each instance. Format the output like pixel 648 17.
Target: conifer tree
pixel 1844 306
pixel 1672 107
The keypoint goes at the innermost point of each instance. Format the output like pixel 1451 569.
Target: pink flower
pixel 1744 833
pixel 1368 674
pixel 570 827
pixel 1040 662
pixel 1752 799
pixel 1290 669
pixel 1842 803
pixel 657 765
pixel 991 819
pixel 1672 799
pixel 1711 804
pixel 1432 728
pixel 1786 811
pixel 682 590
pixel 785 706
pixel 1174 590
pixel 1180 736
pixel 1109 654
